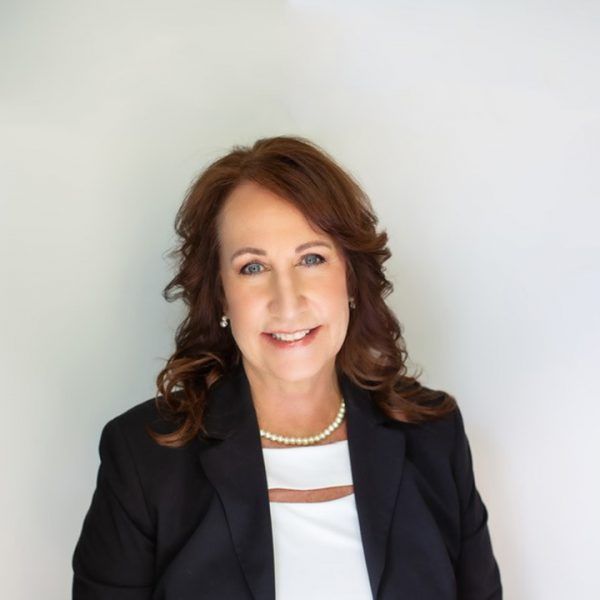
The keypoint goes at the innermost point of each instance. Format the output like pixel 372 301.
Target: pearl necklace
pixel 313 439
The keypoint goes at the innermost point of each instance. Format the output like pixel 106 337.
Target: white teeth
pixel 290 337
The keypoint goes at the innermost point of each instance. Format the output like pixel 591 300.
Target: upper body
pixel 195 522
pixel 283 241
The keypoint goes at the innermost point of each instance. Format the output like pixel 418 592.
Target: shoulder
pixel 132 419
pixel 128 454
pixel 427 412
pixel 136 420
pixel 437 439
pixel 439 451
pixel 126 437
pixel 131 424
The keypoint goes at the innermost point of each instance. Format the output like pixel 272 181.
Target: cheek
pixel 247 314
pixel 246 309
pixel 335 293
pixel 239 296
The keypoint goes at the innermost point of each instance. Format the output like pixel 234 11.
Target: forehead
pixel 252 211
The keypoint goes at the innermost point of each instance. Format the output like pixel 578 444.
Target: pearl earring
pixel 352 303
pixel 223 322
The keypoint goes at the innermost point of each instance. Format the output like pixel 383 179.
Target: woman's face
pixel 270 287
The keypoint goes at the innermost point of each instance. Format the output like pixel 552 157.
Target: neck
pixel 295 408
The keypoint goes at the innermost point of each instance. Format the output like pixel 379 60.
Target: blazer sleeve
pixel 477 573
pixel 114 556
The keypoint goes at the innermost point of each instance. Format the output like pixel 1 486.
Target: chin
pixel 299 370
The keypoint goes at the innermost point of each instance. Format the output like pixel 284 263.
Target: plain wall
pixel 474 127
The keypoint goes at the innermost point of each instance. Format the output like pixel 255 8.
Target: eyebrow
pixel 261 252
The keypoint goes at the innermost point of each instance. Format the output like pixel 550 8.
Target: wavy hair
pixel 373 354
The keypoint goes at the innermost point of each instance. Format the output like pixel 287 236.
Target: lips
pixel 289 346
pixel 293 331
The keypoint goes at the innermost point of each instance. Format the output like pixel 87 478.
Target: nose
pixel 287 298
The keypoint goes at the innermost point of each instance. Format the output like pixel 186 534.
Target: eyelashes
pixel 244 272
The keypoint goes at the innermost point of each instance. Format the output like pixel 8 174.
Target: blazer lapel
pixel 235 467
pixel 231 456
pixel 377 453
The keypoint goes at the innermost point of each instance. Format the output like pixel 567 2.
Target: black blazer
pixel 193 523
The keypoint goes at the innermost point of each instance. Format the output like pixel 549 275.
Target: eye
pixel 243 270
pixel 321 260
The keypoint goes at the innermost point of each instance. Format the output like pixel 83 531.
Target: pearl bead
pixel 305 441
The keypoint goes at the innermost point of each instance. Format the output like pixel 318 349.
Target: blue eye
pixel 310 264
pixel 248 273
pixel 321 260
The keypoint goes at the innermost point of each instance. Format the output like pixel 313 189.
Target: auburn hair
pixel 373 354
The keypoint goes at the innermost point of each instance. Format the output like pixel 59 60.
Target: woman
pixel 288 454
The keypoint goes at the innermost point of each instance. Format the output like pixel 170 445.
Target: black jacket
pixel 194 523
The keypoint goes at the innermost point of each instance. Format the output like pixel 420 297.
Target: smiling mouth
pixel 295 336
pixel 291 332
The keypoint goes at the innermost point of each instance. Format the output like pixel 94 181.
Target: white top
pixel 317 545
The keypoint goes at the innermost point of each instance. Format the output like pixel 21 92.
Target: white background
pixel 473 126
